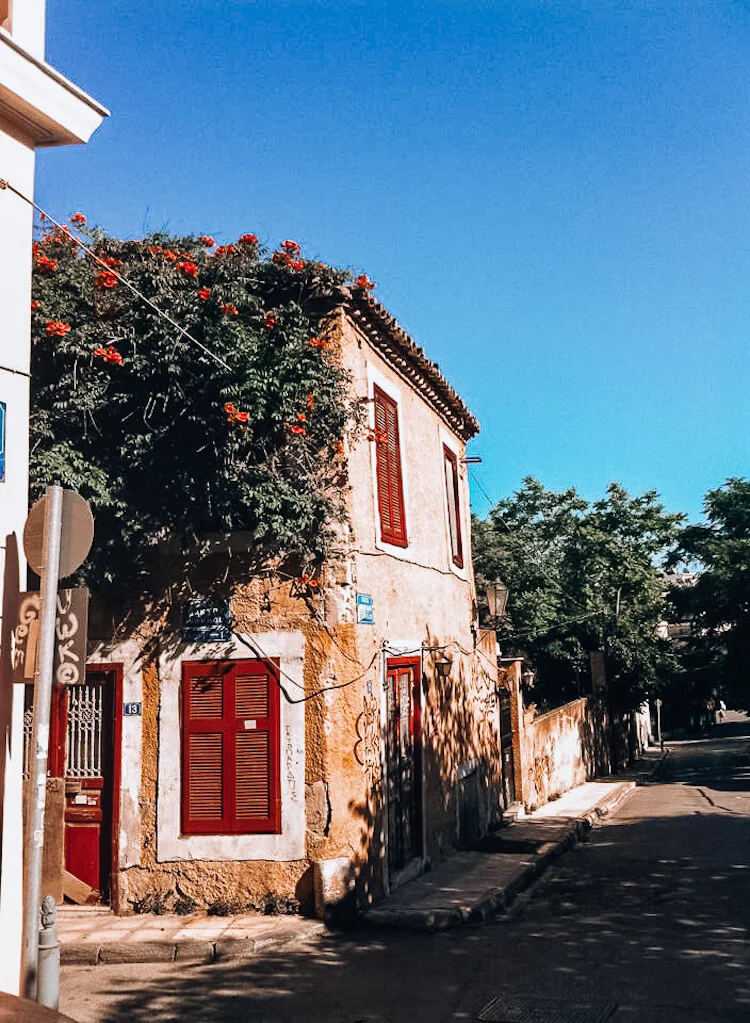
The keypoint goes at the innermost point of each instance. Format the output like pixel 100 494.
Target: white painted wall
pixel 171 845
pixel 53 112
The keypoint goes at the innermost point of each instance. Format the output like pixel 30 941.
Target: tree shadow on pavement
pixel 653 913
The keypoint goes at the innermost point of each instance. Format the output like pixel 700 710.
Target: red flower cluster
pixel 208 240
pixel 109 354
pixel 36 304
pixel 298 430
pixel 379 436
pixel 105 279
pixel 56 328
pixel 234 415
pixel 248 239
pixel 310 400
pixel 297 264
pixel 364 282
pixel 45 263
pixel 153 249
pixel 309 580
pixel 282 258
pixel 204 294
pixel 301 417
pixel 225 250
pixel 112 262
pixel 78 218
pixel 271 320
pixel 290 246
pixel 319 342
pixel 189 268
pixel 229 310
pixel 169 254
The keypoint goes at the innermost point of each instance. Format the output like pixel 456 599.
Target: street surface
pixel 647 922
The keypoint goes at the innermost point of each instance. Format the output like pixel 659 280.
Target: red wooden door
pixel 85 715
pixel 404 760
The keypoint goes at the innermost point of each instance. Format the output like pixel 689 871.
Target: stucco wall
pixel 563 748
pixel 333 677
pixel 423 603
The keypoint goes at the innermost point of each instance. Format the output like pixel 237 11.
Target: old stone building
pixel 220 755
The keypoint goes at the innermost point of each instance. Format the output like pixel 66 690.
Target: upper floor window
pixel 454 506
pixel 230 748
pixel 388 470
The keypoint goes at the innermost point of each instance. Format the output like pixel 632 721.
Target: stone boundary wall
pixel 562 748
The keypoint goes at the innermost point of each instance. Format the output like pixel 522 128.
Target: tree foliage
pixel 238 427
pixel 716 653
pixel 582 577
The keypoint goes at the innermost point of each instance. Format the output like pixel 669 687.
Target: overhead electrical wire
pixel 183 332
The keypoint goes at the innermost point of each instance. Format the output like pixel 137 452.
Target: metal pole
pixel 658 724
pixel 40 738
pixel 48 983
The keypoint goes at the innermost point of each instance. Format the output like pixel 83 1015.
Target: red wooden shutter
pixel 388 471
pixel 230 737
pixel 454 506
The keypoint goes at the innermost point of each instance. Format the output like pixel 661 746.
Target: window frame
pixel 230 725
pixel 393 469
pixel 455 542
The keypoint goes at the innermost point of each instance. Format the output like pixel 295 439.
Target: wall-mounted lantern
pixel 497 598
pixel 443 667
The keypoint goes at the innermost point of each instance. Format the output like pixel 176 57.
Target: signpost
pixel 658 723
pixel 56 539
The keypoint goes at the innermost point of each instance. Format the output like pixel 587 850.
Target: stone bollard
pixel 335 897
pixel 48 975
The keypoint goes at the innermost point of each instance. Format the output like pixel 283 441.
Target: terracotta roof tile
pixel 398 348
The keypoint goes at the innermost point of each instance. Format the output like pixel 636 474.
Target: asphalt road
pixel 647 922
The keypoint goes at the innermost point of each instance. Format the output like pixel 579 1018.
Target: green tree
pixel 583 577
pixel 716 654
pixel 238 426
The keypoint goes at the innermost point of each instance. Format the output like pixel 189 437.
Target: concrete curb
pixel 498 900
pixel 81 953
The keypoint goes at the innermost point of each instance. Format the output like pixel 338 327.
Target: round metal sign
pixel 76 536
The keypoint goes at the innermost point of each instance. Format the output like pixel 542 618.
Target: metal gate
pixel 404 761
pixel 506 749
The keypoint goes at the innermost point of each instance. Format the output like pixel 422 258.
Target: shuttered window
pixel 230 748
pixel 454 506
pixel 388 469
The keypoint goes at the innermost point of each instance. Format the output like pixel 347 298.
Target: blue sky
pixel 552 197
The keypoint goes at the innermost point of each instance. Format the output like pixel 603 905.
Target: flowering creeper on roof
pixel 210 428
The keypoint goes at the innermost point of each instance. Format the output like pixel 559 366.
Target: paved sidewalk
pixel 478 884
pixel 469 887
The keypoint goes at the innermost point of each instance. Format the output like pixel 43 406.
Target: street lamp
pixel 497 598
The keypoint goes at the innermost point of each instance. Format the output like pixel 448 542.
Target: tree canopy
pixel 582 577
pixel 714 656
pixel 230 418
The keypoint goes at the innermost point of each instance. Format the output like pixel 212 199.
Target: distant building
pixel 345 728
pixel 38 107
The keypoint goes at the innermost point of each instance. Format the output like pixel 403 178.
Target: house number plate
pixel 132 710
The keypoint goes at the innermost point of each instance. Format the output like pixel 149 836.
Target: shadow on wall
pixel 461 767
pixel 564 748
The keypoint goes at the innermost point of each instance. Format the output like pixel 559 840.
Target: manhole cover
pixel 514 1009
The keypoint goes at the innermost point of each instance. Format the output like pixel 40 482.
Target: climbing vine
pixel 238 424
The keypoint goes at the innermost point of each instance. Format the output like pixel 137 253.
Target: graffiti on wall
pixel 367 746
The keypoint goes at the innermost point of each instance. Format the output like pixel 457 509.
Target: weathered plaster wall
pixel 424 605
pixel 562 749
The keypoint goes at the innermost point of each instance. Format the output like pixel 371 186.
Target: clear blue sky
pixel 552 197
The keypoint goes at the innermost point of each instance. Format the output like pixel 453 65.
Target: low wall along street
pixel 563 748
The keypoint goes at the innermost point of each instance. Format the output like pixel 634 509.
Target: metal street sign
pixel 206 620
pixel 71 623
pixel 75 539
